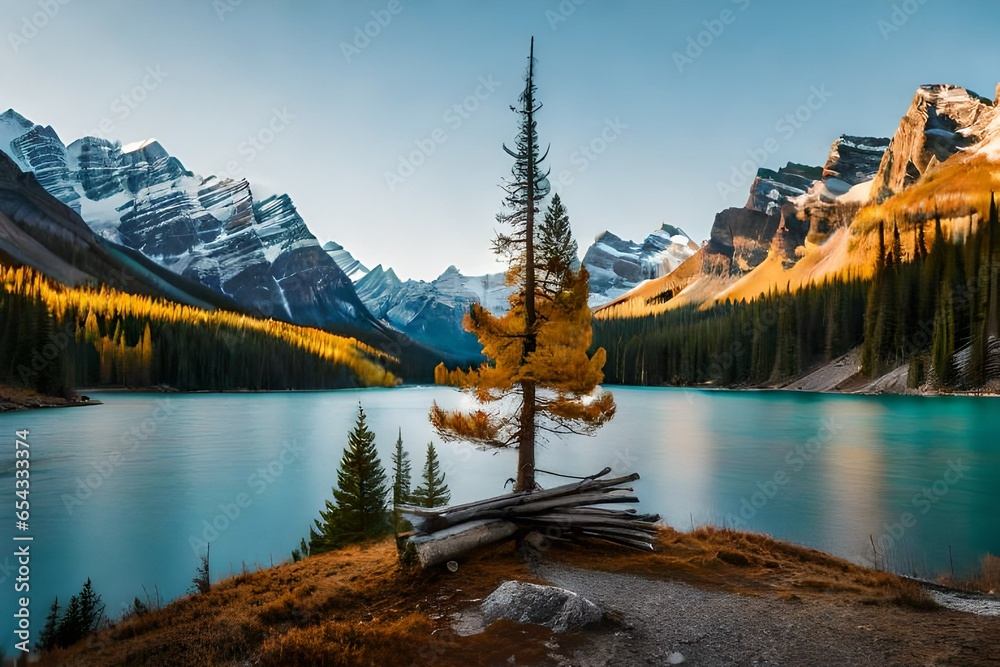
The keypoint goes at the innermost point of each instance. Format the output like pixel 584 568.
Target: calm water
pixel 122 493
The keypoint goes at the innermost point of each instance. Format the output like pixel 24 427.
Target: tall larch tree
pixel 538 350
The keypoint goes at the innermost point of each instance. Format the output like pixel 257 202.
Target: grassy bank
pixel 358 606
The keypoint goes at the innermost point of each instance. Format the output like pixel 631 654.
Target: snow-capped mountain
pixel 432 312
pixel 354 269
pixel 39 231
pixel 260 253
pixel 616 265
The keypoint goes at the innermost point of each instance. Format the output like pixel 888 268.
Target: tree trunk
pixel 526 440
pixel 526 436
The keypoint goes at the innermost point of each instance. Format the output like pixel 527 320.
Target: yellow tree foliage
pixel 90 305
pixel 567 378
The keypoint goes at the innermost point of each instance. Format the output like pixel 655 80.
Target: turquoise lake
pixel 127 492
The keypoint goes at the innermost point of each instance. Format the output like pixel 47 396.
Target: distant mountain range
pixel 259 255
pixel 432 312
pixel 210 240
pixel 257 252
pixel 803 224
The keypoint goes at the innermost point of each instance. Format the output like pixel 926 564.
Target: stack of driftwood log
pixel 561 513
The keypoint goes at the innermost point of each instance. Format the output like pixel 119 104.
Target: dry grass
pixel 355 606
pixel 358 606
pixel 987 581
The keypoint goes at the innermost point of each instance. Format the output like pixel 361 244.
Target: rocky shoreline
pixel 843 376
pixel 13 399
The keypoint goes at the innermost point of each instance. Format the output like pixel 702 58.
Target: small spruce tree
pixel 91 609
pixel 433 491
pixel 48 636
pixel 301 552
pixel 359 512
pixel 202 581
pixel 70 629
pixel 557 248
pixel 401 480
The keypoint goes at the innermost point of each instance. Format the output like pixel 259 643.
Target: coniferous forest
pixel 934 307
pixel 55 338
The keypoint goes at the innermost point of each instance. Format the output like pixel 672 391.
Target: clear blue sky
pixel 677 131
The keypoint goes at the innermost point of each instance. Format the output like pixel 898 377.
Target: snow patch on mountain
pixel 988 129
pixel 354 269
pixel 12 126
pixel 137 145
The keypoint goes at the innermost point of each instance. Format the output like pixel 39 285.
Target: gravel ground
pixel 660 622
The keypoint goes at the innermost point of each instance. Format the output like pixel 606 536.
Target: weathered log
pixel 447 533
pixel 451 543
pixel 431 520
pixel 624 541
pixel 570 501
pixel 571 521
pixel 628 514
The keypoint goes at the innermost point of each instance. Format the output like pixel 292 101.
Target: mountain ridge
pixel 949 136
pixel 259 253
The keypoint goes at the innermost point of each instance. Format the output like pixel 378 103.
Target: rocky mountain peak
pixel 939 123
pixel 607 237
pixel 15 121
pixel 354 269
pixel 771 189
pixel 853 160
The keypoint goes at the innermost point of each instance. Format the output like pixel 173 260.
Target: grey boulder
pixel 555 608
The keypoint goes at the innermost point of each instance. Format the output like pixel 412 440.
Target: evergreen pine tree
pixel 557 249
pixel 49 634
pixel 881 245
pixel 993 270
pixel 202 580
pixel 301 551
pixel 433 491
pixel 897 245
pixel 70 630
pixel 401 471
pixel 91 609
pixel 360 508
